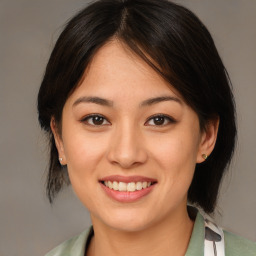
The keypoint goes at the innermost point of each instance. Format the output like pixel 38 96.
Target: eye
pixel 160 120
pixel 95 120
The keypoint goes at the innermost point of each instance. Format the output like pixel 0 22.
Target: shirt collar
pixel 196 243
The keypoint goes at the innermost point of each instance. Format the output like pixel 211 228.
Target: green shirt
pixel 234 245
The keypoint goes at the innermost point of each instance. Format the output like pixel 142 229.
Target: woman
pixel 141 120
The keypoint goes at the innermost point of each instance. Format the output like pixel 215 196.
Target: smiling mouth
pixel 127 187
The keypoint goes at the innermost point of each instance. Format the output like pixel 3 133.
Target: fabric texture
pixel 234 245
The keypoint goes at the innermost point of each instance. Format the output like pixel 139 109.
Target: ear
pixel 208 139
pixel 58 142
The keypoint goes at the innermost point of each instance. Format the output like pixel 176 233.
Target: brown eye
pixel 160 120
pixel 95 120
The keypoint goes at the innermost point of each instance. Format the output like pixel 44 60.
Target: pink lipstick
pixel 127 188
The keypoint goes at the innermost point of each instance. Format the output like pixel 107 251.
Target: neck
pixel 171 235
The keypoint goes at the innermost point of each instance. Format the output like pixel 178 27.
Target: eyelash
pixel 166 117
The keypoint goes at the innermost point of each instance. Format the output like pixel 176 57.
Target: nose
pixel 127 148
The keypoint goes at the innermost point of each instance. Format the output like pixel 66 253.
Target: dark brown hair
pixel 185 55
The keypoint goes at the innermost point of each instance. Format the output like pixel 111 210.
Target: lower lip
pixel 127 197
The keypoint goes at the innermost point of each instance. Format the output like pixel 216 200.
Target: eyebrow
pixel 109 103
pixel 96 100
pixel 152 101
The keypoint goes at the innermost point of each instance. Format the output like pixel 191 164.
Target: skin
pixel 130 142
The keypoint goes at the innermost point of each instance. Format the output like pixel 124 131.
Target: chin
pixel 129 226
pixel 124 220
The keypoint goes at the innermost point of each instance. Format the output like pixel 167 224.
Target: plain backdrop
pixel 28 30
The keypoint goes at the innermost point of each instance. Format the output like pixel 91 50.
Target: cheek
pixel 84 155
pixel 176 156
pixel 175 151
pixel 83 152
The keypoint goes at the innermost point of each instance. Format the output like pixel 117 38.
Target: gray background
pixel 28 30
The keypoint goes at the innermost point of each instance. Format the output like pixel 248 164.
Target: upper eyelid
pixel 162 115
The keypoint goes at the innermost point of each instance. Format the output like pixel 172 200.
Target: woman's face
pixel 125 124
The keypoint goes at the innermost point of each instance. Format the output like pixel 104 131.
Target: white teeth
pixel 122 186
pixel 131 186
pixel 138 186
pixel 110 185
pixel 115 185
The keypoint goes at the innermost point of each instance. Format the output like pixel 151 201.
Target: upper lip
pixel 127 179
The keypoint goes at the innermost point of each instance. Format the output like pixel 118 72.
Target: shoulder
pixel 74 246
pixel 237 246
pixel 234 245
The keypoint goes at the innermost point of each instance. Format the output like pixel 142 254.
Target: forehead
pixel 116 72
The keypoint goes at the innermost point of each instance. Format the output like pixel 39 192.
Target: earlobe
pixel 58 141
pixel 208 140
